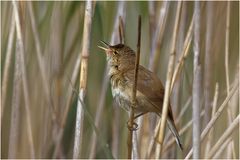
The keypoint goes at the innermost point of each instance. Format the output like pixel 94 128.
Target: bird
pixel 150 91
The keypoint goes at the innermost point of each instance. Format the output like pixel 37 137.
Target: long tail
pixel 174 131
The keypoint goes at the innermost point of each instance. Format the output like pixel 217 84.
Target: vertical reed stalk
pixel 7 65
pixel 163 119
pixel 210 135
pixel 151 143
pixel 196 84
pixel 134 91
pixel 183 110
pixel 135 150
pixel 121 30
pixel 15 113
pixel 152 19
pixel 157 39
pixel 227 47
pixel 184 54
pixel 230 117
pixel 56 48
pixel 83 79
pixel 176 96
pixel 23 75
pixel 208 63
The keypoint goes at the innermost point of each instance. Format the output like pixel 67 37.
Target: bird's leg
pixel 139 115
pixel 135 125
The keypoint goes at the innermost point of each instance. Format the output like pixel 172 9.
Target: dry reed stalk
pixel 215 99
pixel 185 53
pixel 135 150
pixel 69 51
pixel 83 79
pixel 142 134
pixel 208 62
pixel 221 149
pixel 210 135
pixel 157 39
pixel 227 47
pixel 152 19
pixel 152 141
pixel 216 116
pixel 168 81
pixel 224 137
pixel 15 115
pixel 158 149
pixel 7 65
pixel 56 49
pixel 183 110
pixel 196 84
pixel 120 12
pixel 115 141
pixel 176 95
pixel 121 30
pixel 23 75
pixel 44 143
pixel 5 13
pixel 134 91
pixel 230 115
pixel 101 102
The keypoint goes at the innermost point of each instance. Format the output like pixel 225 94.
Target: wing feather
pixel 150 86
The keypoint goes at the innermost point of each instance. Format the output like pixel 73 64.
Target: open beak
pixel 107 46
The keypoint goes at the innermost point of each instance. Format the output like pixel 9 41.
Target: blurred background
pixel 40 71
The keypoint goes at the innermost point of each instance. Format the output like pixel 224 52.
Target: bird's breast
pixel 118 86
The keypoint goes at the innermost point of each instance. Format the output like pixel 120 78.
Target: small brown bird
pixel 150 91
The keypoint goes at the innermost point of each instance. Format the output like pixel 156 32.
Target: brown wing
pixel 150 86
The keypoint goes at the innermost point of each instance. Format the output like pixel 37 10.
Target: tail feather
pixel 173 129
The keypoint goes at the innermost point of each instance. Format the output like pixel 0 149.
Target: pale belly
pixel 124 101
pixel 122 95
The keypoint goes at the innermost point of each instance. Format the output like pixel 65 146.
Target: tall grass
pixel 42 46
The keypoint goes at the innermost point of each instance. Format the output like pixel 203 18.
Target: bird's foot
pixel 132 127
